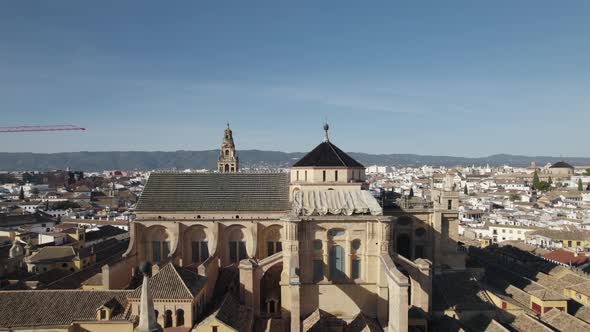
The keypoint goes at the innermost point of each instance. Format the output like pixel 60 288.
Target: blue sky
pixel 463 78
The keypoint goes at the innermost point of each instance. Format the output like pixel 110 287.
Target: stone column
pixel 348 258
pixel 290 283
pixel 250 285
pixel 423 289
pixel 326 255
pixel 398 306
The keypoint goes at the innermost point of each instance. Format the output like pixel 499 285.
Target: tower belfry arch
pixel 228 159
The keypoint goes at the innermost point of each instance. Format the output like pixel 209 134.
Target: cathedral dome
pixel 327 154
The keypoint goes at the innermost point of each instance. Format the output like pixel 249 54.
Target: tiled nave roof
pixel 215 192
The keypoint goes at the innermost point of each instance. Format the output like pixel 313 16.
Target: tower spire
pixel 326 128
pixel 228 158
pixel 147 315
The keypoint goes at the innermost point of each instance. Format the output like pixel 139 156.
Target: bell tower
pixel 228 159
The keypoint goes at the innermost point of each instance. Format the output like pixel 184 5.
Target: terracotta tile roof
pixel 526 323
pixel 583 313
pixel 565 322
pixel 494 326
pixel 51 308
pixel 173 282
pixel 460 291
pixel 52 254
pixel 24 219
pixel 519 295
pixel 215 192
pixel 543 293
pixel 566 257
pixel 582 288
pixel 105 231
pixel 578 235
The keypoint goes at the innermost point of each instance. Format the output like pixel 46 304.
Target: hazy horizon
pixel 304 152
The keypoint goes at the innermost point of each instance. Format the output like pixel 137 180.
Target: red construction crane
pixel 19 129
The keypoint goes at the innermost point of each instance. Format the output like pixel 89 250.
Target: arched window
pixel 227 167
pixel 199 251
pixel 403 245
pixel 273 241
pixel 160 245
pixel 226 153
pixel 237 246
pixel 355 245
pixel 179 317
pixel 197 239
pixel 168 318
pixel 337 271
pixel 404 220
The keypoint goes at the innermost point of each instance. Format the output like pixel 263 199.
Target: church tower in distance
pixel 228 159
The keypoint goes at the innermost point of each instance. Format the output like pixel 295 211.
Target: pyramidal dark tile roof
pixel 215 192
pixel 327 154
pixel 561 164
pixel 173 282
pixel 232 313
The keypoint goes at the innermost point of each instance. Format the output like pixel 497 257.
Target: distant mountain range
pixel 143 160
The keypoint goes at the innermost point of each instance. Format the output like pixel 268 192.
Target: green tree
pixel 536 181
pixel 514 197
pixel 550 182
pixel 580 185
pixel 465 190
pixel 64 205
pixel 587 172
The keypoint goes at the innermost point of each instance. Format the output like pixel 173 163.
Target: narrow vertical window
pixel 324 175
pixel 204 251
pixel 356 269
pixel 297 175
pixel 450 203
pixel 305 176
pixel 233 251
pixel 337 263
pixel 270 248
pixel 195 251
pixel 156 251
pixel 335 176
pixel 242 249
pixel 318 270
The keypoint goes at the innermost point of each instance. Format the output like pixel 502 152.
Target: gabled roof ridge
pixel 336 152
pixel 181 279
